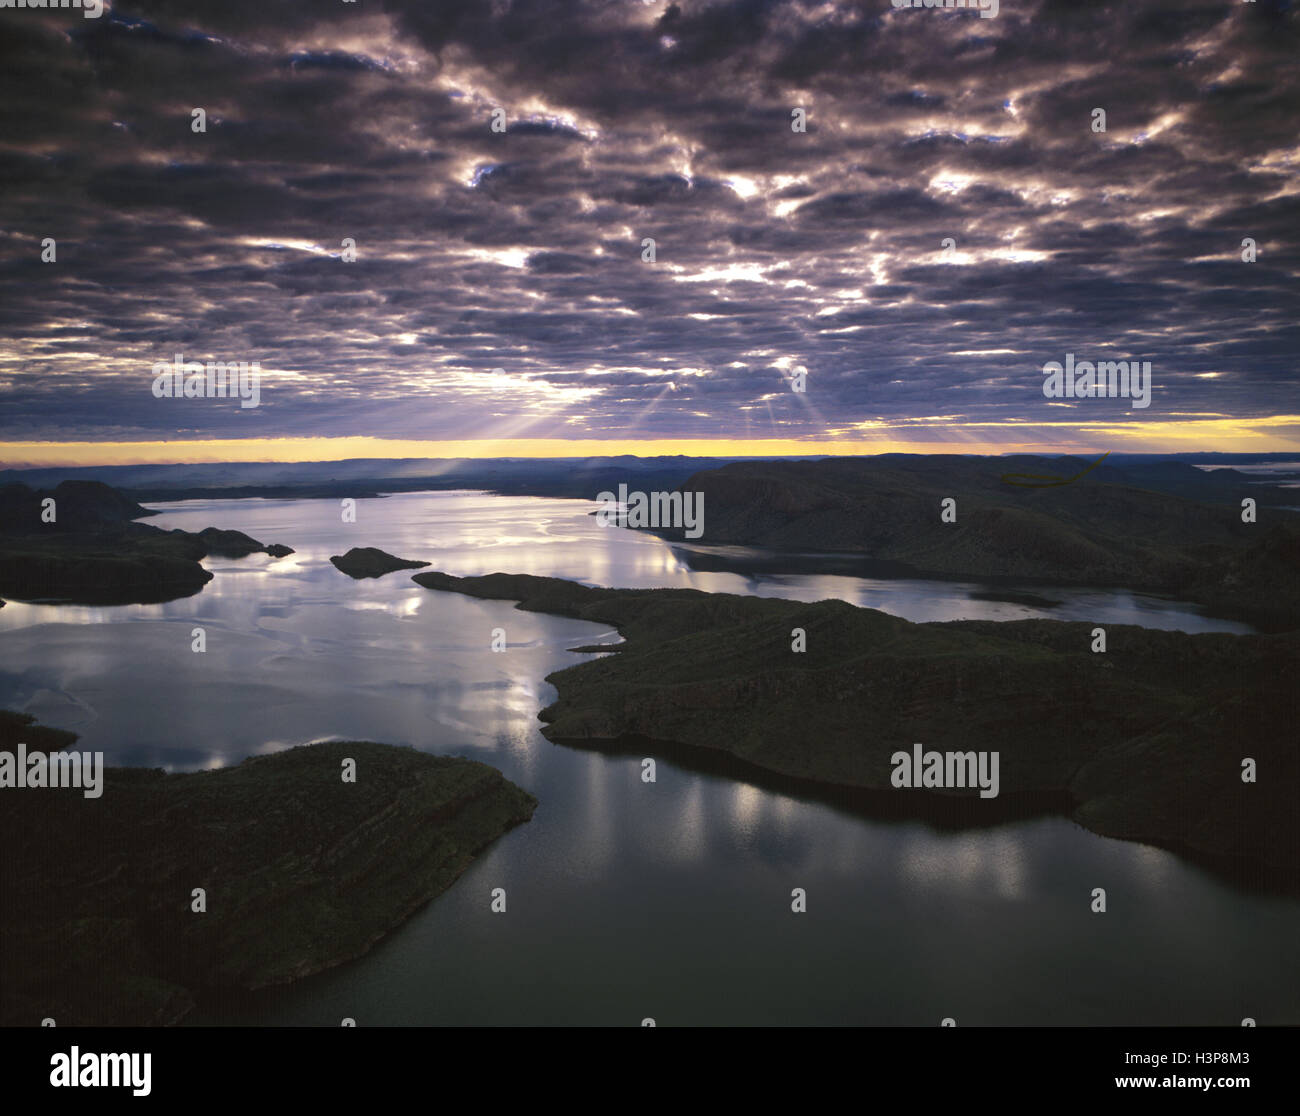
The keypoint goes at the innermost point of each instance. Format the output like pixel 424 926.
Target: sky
pixel 501 301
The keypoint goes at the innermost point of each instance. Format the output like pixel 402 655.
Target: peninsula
pixel 79 543
pixel 1163 527
pixel 1147 741
pixel 300 871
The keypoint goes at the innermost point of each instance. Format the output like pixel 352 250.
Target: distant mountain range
pixel 573 477
pixel 578 478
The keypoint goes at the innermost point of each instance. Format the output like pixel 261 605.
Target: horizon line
pixel 1274 434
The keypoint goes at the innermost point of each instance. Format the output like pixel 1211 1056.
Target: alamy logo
pixel 53 769
pixel 91 9
pixel 116 1070
pixel 988 9
pixel 684 510
pixel 1127 379
pixel 946 769
pixel 218 379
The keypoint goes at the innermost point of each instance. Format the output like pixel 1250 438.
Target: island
pixel 300 869
pixel 1147 741
pixel 368 561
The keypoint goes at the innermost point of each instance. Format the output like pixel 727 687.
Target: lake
pixel 628 900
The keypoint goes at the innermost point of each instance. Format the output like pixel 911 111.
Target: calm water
pixel 626 900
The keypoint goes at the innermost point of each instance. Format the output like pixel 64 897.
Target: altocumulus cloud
pixel 499 286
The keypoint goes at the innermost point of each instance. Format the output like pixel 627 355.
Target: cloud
pixel 522 250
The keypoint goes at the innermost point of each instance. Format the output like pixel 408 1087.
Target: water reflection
pixel 627 898
pixel 468 533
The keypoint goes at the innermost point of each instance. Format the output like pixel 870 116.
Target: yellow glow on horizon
pixel 1270 434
